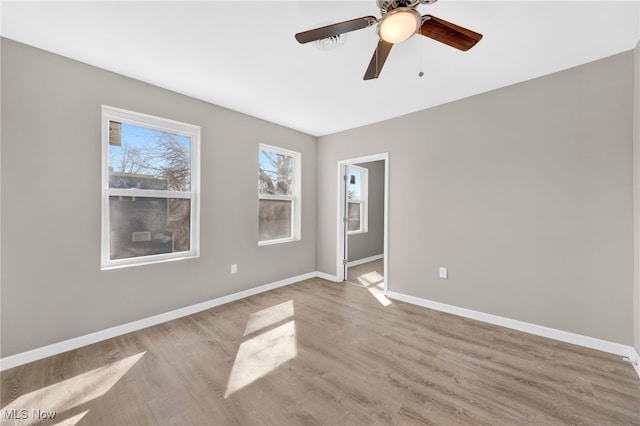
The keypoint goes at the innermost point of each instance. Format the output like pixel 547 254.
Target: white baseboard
pixel 56 348
pixel 365 260
pixel 77 342
pixel 628 352
pixel 327 277
pixel 635 360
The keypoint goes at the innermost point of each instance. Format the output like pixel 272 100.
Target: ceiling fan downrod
pixel 386 6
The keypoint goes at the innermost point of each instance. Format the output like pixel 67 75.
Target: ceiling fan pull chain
pixel 421 73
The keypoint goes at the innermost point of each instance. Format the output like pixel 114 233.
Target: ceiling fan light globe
pixel 399 24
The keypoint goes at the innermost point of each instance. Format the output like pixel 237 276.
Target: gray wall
pixel 636 194
pixel 524 193
pixel 52 286
pixel 371 243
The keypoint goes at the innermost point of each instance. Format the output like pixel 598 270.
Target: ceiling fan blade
pixel 335 29
pixel 378 59
pixel 448 33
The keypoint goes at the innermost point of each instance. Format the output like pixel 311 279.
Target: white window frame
pixel 363 202
pixel 143 120
pixel 296 198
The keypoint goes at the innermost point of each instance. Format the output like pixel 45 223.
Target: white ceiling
pixel 242 55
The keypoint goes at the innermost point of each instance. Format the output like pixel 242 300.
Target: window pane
pixel 143 226
pixel 274 221
pixel 145 158
pixel 354 217
pixel 354 190
pixel 275 174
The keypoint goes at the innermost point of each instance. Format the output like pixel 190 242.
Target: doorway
pixel 363 184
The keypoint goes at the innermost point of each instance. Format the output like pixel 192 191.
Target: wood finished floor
pixel 354 362
pixel 368 274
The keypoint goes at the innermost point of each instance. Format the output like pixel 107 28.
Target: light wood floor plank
pixel 356 363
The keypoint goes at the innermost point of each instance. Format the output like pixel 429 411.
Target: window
pixel 278 195
pixel 357 192
pixel 149 189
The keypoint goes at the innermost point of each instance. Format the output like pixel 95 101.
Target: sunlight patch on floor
pixel 378 293
pixel 374 282
pixel 266 351
pixel 72 421
pixel 262 354
pixel 270 316
pixel 72 392
pixel 370 278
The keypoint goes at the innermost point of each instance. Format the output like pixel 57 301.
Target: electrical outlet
pixel 443 273
pixel 234 268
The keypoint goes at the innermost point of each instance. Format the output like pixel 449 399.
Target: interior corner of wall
pixel 636 196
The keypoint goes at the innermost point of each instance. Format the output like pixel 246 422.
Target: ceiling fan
pixel 400 20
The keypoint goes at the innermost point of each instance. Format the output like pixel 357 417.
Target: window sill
pixel 280 241
pixel 356 232
pixel 147 260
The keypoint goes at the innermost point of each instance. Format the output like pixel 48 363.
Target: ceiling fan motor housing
pixel 389 5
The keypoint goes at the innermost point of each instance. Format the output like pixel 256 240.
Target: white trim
pixel 98 336
pixel 278 241
pixel 191 131
pixel 327 277
pixel 340 237
pixel 634 359
pixel 538 330
pixel 363 212
pixel 296 198
pixel 77 342
pixel 636 202
pixel 149 193
pixel 363 201
pixel 365 260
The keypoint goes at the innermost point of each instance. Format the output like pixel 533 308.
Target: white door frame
pixel 341 235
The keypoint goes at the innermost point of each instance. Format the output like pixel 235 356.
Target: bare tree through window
pixel 276 190
pixel 149 159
